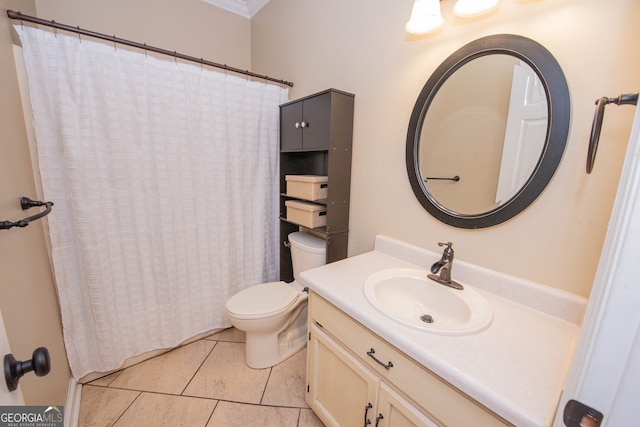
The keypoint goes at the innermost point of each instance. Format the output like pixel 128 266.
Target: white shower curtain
pixel 164 177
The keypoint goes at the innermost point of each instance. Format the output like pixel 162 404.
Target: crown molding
pixel 245 8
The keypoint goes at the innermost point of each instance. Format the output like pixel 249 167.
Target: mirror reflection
pixel 486 126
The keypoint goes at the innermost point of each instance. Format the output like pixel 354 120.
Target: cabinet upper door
pixel 290 129
pixel 316 116
pixel 305 125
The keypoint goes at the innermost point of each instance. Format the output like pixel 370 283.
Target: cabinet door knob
pixel 304 124
pixel 297 125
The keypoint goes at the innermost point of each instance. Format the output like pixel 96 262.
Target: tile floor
pixel 202 384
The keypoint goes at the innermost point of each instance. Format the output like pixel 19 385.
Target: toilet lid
pixel 262 300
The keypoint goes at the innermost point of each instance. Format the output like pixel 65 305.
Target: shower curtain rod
pixel 18 15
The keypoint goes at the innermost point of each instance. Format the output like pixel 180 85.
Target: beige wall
pixel 360 46
pixel 192 27
pixel 27 294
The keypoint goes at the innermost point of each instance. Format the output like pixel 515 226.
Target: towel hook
pixel 596 127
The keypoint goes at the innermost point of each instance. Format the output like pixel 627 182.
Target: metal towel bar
pixel 27 203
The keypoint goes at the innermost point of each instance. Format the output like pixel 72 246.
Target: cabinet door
pixel 290 128
pixel 341 391
pixel 395 411
pixel 306 125
pixel 316 116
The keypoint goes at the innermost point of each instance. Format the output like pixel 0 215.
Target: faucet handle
pixel 448 244
pixel 448 251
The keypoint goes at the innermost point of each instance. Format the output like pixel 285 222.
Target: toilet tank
pixel 307 252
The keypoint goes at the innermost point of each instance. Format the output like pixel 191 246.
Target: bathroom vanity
pixel 364 366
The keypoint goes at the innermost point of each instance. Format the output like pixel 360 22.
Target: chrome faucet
pixel 444 267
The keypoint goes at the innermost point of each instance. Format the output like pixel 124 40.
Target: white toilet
pixel 274 315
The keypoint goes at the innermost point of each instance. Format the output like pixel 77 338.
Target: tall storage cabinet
pixel 316 134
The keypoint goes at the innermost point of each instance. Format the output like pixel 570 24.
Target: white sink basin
pixel 409 297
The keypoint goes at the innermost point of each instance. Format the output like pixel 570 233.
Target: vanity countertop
pixel 516 367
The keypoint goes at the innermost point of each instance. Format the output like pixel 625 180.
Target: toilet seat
pixel 264 300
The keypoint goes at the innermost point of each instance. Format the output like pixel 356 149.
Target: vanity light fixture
pixel 426 16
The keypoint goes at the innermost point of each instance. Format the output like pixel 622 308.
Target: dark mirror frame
pixel 559 118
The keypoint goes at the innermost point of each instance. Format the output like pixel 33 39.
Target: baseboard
pixel 72 407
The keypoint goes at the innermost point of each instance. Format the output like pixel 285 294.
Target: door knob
pixel 14 370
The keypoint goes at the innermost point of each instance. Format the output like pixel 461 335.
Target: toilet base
pixel 266 350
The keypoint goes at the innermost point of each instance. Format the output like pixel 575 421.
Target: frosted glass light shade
pixel 472 8
pixel 425 17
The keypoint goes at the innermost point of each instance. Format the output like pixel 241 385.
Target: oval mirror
pixel 488 131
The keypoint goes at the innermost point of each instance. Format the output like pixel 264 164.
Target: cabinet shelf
pixel 319 201
pixel 322 230
pixel 301 150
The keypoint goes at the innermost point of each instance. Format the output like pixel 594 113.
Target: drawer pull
pixel 387 366
pixel 366 411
